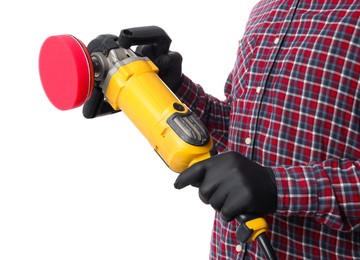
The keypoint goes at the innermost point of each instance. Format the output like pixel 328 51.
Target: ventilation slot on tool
pixel 189 128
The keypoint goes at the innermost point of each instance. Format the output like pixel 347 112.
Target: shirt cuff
pixel 297 191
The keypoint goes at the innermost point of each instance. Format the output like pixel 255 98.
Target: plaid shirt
pixel 293 103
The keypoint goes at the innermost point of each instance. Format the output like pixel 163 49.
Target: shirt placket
pixel 273 37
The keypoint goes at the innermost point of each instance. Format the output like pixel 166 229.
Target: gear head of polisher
pixel 66 71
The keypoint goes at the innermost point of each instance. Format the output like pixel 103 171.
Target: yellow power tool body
pixel 133 86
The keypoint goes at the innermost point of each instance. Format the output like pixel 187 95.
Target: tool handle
pixel 254 228
pixel 144 36
pixel 250 227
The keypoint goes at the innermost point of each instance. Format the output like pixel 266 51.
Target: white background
pixel 72 188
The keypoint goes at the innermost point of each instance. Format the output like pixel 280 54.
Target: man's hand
pixel 169 64
pixel 232 185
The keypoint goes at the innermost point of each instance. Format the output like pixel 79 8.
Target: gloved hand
pixel 169 64
pixel 232 184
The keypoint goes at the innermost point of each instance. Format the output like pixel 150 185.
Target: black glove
pixel 169 64
pixel 232 184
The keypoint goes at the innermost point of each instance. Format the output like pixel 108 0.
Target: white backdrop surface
pixel 72 188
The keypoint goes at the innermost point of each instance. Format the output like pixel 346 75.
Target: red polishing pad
pixel 66 71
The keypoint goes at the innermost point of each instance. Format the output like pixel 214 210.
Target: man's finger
pixel 192 176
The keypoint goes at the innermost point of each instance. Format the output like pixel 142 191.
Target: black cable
pixel 266 246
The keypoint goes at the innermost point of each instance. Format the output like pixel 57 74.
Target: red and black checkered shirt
pixel 293 103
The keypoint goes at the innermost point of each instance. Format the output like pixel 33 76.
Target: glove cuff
pixel 273 187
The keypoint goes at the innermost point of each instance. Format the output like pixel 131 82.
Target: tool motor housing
pixel 133 86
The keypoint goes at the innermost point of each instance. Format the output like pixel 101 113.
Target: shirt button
pixel 276 41
pixel 248 140
pixel 238 248
pixel 258 89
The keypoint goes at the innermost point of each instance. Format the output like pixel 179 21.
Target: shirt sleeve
pixel 328 191
pixel 213 112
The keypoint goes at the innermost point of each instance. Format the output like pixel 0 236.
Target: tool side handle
pixel 144 36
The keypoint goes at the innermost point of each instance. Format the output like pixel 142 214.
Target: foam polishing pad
pixel 66 71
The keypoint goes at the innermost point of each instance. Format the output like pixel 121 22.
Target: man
pixel 288 132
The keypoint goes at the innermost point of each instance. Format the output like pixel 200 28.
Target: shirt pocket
pixel 241 70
